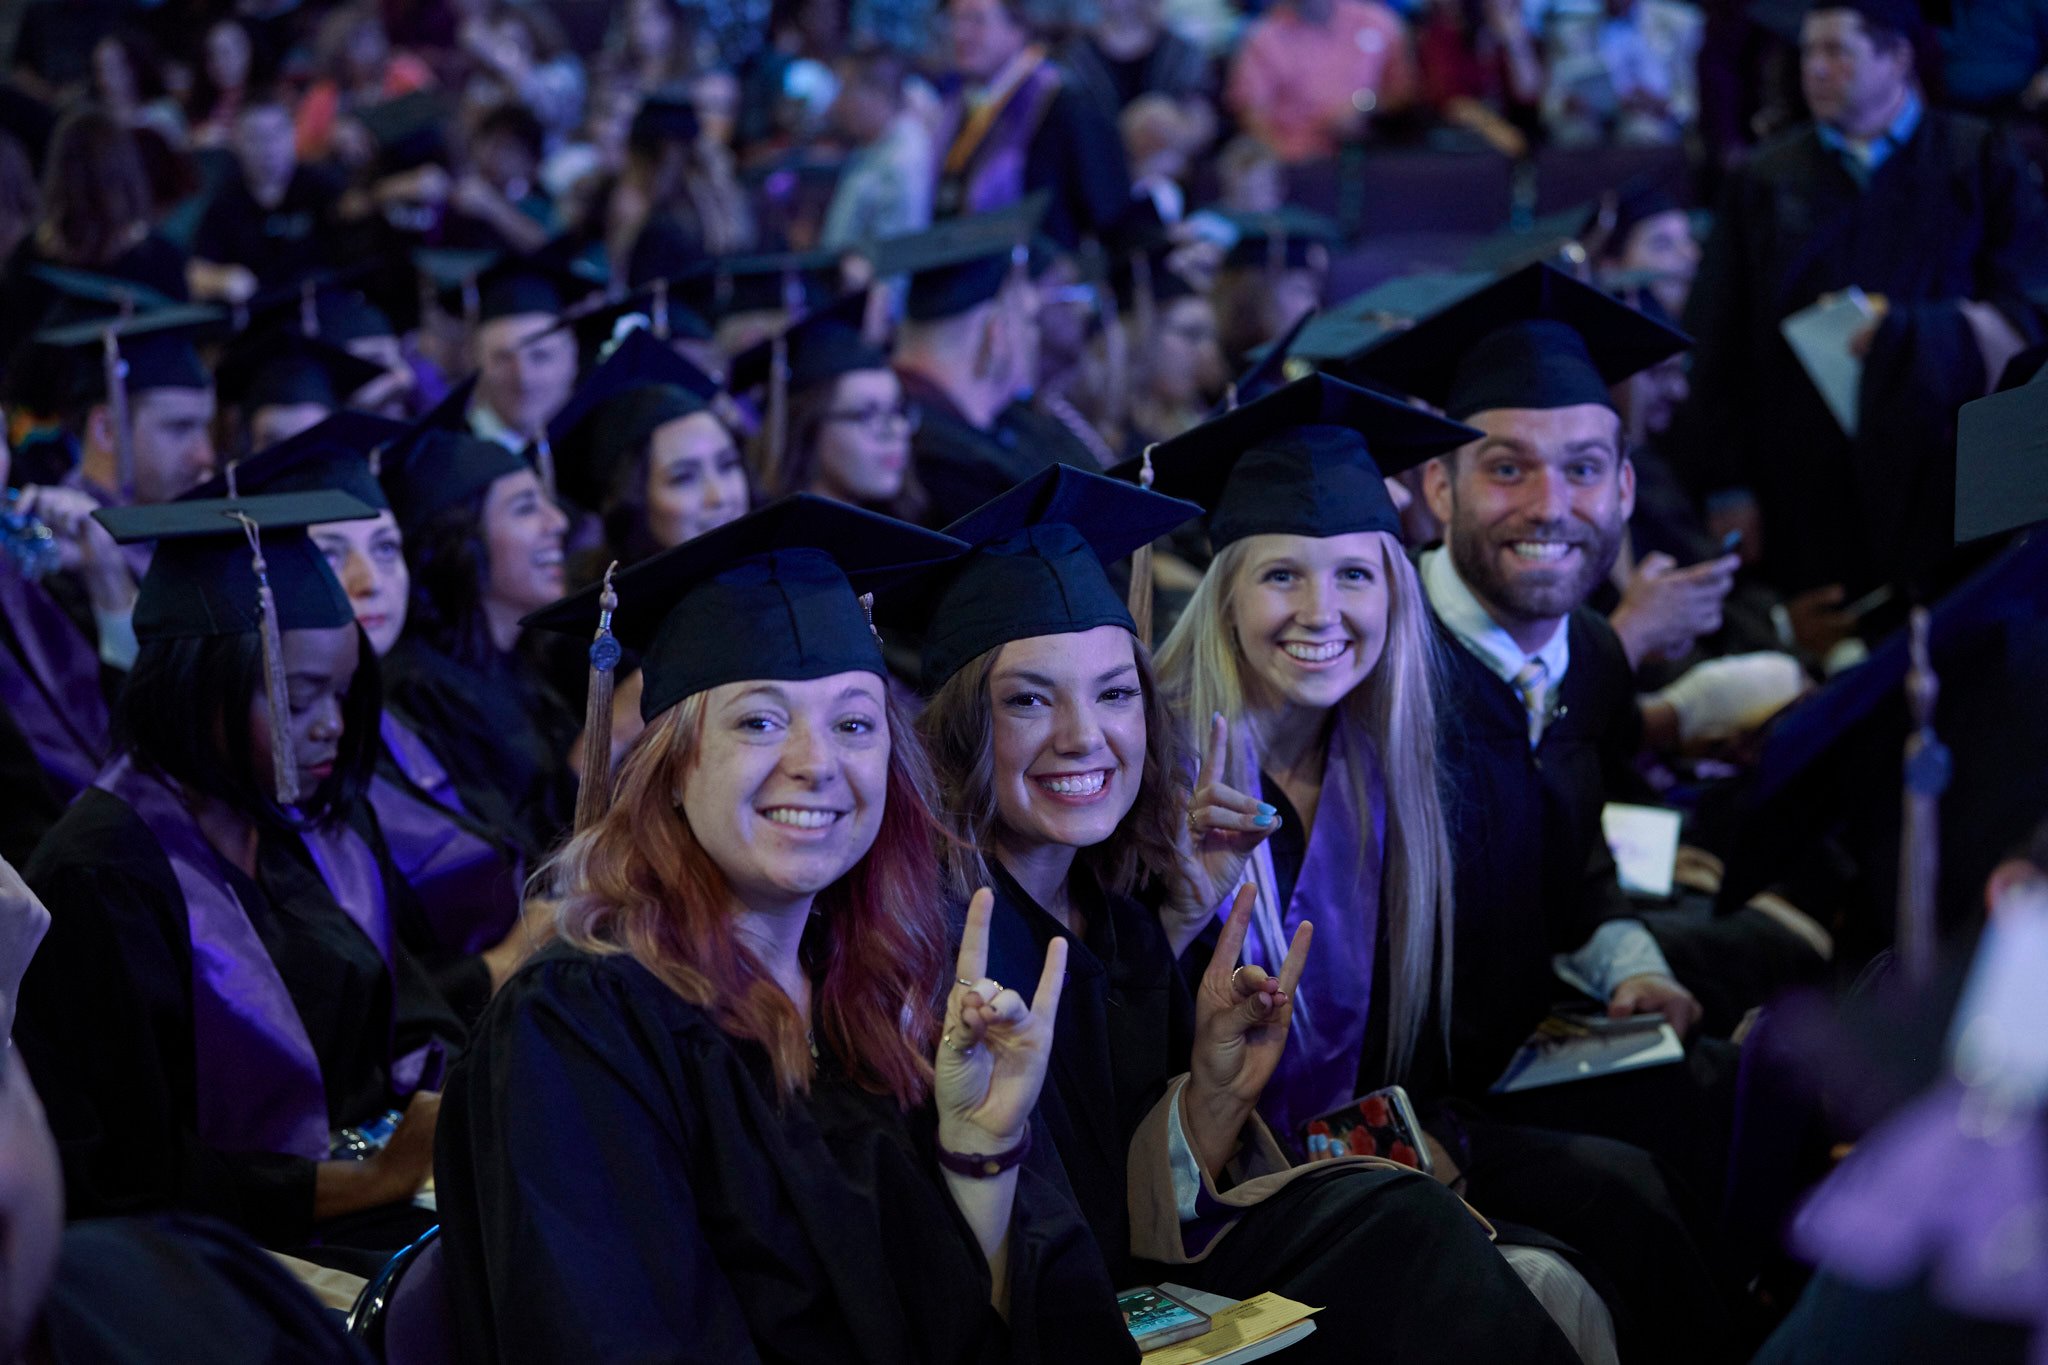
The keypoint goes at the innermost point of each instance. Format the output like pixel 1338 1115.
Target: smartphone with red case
pixel 1380 1124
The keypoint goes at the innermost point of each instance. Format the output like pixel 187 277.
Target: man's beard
pixel 1528 597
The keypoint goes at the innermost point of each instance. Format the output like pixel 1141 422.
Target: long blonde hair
pixel 1202 670
pixel 638 882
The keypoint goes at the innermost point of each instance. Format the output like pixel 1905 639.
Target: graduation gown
pixel 959 465
pixel 109 1025
pixel 1346 1236
pixel 619 1180
pixel 179 1290
pixel 500 732
pixel 1531 868
pixel 1952 214
pixel 467 884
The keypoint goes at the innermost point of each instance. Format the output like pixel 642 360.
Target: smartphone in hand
pixel 1382 1123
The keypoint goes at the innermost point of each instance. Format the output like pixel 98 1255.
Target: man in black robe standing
pixel 1930 210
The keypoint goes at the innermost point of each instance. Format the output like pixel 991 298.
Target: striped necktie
pixel 1533 683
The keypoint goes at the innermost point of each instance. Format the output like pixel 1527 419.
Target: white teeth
pixel 801 819
pixel 1541 549
pixel 1081 784
pixel 1316 654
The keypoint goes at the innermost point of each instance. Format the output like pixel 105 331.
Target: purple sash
pixel 469 889
pixel 990 174
pixel 258 1077
pixel 50 685
pixel 1338 890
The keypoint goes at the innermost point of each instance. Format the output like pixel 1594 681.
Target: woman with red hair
pixel 747 1107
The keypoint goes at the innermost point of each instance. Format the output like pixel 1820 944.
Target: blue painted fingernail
pixel 1267 808
pixel 1263 819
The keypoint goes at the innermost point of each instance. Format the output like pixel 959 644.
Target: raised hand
pixel 1222 828
pixel 993 1048
pixel 1241 1019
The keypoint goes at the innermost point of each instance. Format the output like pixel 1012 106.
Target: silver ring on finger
pixel 1235 983
pixel 948 1041
pixel 964 982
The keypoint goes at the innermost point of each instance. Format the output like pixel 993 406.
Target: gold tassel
pixel 117 411
pixel 275 694
pixel 544 462
pixel 1927 768
pixel 1140 600
pixel 658 321
pixel 231 473
pixel 594 795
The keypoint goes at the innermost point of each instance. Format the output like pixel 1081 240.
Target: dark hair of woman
pixel 450 566
pixel 184 714
pixel 958 729
pixel 624 513
pixel 96 192
pixel 808 409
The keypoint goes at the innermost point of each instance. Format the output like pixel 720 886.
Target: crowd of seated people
pixel 825 682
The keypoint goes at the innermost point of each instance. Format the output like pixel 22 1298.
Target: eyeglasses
pixel 879 421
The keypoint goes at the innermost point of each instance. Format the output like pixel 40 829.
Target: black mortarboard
pixel 1034 566
pixel 409 131
pixel 824 344
pixel 328 303
pixel 108 291
pixel 1309 459
pixel 1536 339
pixel 772 596
pixel 428 468
pixel 662 118
pixel 730 285
pixel 1551 238
pixel 481 286
pixel 641 387
pixel 201 580
pixel 1289 238
pixel 1269 368
pixel 1405 298
pixel 596 324
pixel 335 454
pixel 156 347
pixel 283 366
pixel 2002 462
pixel 961 263
pixel 1621 212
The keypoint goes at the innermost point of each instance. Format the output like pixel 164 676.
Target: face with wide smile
pixel 1069 737
pixel 788 786
pixel 1534 512
pixel 523 534
pixel 1310 615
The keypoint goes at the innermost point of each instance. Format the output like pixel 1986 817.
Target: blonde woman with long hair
pixel 1306 655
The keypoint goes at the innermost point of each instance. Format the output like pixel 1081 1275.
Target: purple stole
pixel 984 166
pixel 1338 890
pixel 258 1076
pixel 50 685
pixel 469 889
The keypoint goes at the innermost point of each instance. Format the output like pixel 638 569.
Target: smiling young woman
pixel 740 1108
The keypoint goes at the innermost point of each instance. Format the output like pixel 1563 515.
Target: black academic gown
pixel 1391 1256
pixel 619 1180
pixel 179 1290
pixel 1952 214
pixel 31 806
pixel 106 1027
pixel 500 731
pixel 962 466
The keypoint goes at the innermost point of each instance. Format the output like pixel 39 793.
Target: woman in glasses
pixel 844 428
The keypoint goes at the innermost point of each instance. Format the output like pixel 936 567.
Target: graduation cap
pixel 238 567
pixel 1621 211
pixel 339 453
pixel 1535 339
pixel 1308 459
pixel 276 367
pixel 727 286
pixel 660 119
pixel 109 359
pixel 774 596
pixel 1405 298
pixel 1552 238
pixel 124 296
pixel 823 344
pixel 484 286
pixel 638 389
pixel 961 263
pixel 1034 566
pixel 409 131
pixel 1269 368
pixel 326 303
pixel 653 307
pixel 428 468
pixel 2002 461
pixel 1289 238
